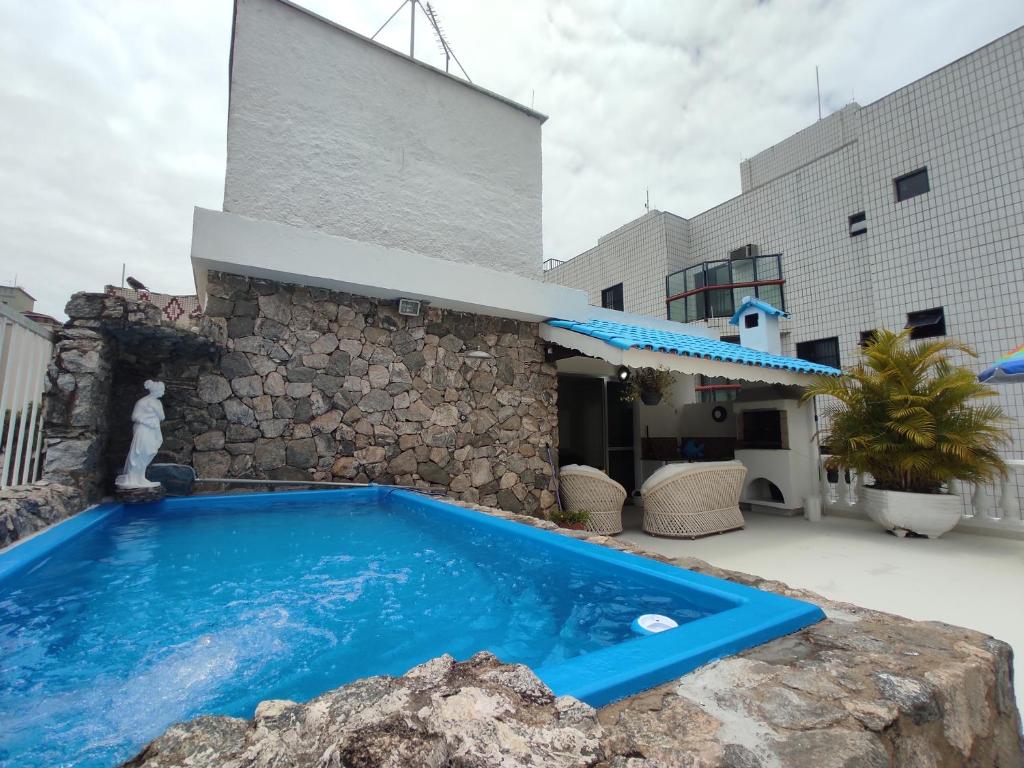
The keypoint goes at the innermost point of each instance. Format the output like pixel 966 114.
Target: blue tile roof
pixel 624 336
pixel 751 301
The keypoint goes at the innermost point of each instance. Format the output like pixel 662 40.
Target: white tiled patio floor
pixel 964 579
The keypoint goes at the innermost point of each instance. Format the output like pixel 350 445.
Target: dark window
pixel 750 321
pixel 912 185
pixel 823 351
pixel 858 224
pixel 716 288
pixel 926 323
pixel 762 429
pixel 866 337
pixel 611 298
pixel 731 339
pixel 716 389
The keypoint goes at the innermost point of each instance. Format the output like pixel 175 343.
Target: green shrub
pixel 566 519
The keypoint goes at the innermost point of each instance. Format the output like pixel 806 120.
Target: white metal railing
pixel 992 506
pixel 25 349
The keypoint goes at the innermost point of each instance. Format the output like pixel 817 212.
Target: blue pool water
pixel 159 613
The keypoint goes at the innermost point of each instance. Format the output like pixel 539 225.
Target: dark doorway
pixel 621 466
pixel 581 438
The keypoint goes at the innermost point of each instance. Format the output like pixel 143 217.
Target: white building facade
pixel 906 211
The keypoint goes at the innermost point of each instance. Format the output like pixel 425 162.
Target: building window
pixel 822 351
pixel 911 185
pixel 750 320
pixel 716 389
pixel 730 339
pixel 927 323
pixel 858 224
pixel 866 337
pixel 611 298
pixel 716 288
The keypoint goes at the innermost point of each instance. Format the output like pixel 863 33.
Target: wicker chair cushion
pixel 674 470
pixel 582 469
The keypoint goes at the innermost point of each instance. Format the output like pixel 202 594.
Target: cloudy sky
pixel 112 112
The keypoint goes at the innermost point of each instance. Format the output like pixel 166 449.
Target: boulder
pixel 376 400
pixel 276 306
pixel 274 384
pixel 480 472
pixel 209 441
pixel 433 473
pixel 301 453
pixel 474 714
pixel 269 454
pixel 212 388
pixel 26 509
pixel 235 364
pixel 403 464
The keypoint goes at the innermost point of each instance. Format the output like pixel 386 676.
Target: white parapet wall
pixel 328 130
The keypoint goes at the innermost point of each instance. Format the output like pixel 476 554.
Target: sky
pixel 113 112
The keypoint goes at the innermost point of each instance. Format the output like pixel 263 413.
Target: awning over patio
pixel 639 347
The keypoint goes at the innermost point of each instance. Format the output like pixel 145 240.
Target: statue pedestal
pixel 139 495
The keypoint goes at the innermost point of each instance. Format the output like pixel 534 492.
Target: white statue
pixel 146 438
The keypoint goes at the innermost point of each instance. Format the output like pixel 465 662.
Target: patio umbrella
pixel 1008 368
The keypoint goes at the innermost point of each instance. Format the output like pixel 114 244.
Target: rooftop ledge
pixel 231 243
pixel 228 242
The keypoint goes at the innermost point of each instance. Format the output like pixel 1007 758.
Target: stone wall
pixel 285 382
pixel 320 385
pixel 26 509
pixel 108 347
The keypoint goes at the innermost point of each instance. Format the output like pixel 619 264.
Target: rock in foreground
pixel 473 714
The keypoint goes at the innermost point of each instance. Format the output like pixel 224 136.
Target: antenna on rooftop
pixel 435 23
pixel 817 82
pixel 647 205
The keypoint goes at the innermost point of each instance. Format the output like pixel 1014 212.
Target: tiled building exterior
pixel 957 246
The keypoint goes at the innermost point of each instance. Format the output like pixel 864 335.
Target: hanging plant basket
pixel 648 385
pixel 650 397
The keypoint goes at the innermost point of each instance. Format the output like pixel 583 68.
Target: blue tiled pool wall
pixel 740 616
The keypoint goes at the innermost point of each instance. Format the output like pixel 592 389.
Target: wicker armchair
pixel 693 500
pixel 586 488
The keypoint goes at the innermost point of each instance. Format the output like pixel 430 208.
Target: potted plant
pixel 576 520
pixel 909 418
pixel 649 385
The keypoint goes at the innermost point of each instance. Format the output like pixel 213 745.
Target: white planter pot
pixel 927 514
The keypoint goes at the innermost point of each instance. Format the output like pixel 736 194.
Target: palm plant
pixel 910 418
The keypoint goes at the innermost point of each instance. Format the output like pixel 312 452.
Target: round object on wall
pixel 718 413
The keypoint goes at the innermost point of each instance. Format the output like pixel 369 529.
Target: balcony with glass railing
pixel 716 288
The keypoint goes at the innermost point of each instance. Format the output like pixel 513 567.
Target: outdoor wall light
pixel 410 307
pixel 623 373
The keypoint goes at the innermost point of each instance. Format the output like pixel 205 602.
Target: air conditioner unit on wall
pixel 748 251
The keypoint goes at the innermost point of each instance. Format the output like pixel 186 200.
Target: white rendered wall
pixel 639 255
pixel 329 131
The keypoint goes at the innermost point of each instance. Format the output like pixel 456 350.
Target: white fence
pixel 25 349
pixel 994 507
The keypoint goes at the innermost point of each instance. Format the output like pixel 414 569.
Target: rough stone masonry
pixel 318 385
pixel 285 382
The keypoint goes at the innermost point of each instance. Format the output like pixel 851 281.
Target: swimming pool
pixel 123 620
